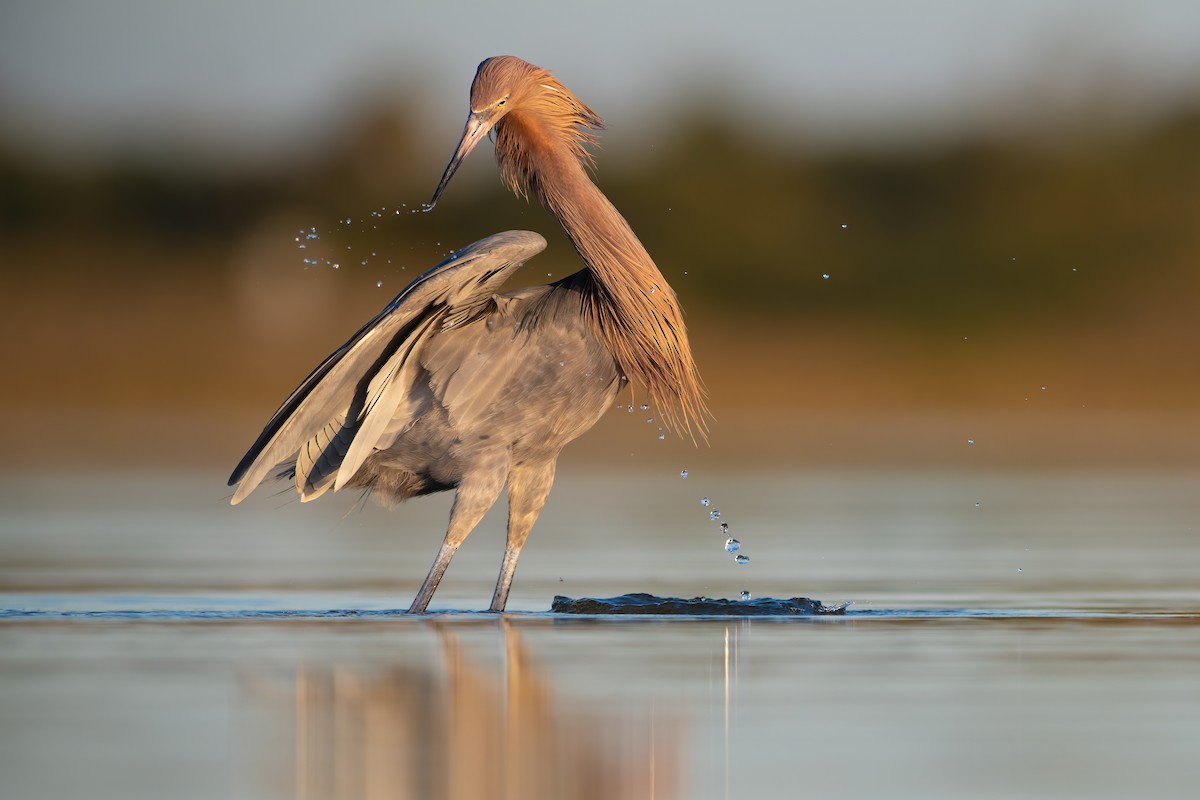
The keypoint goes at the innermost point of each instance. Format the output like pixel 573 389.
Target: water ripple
pixel 626 607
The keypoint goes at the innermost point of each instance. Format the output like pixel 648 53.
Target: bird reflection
pixel 462 730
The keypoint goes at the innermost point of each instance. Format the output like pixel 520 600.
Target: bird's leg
pixel 528 486
pixel 477 492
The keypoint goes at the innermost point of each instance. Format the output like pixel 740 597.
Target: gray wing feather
pixel 395 381
pixel 316 463
pixel 320 422
pixel 468 373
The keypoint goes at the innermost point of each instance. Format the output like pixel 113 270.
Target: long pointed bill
pixel 477 127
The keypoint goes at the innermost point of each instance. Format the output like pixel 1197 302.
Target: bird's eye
pixel 502 101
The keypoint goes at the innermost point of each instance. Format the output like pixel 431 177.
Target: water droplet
pixel 741 559
pixel 683 473
pixel 704 501
pixel 303 247
pixel 977 504
pixel 825 275
pixel 379 284
pixel 644 407
pixel 970 441
pixel 629 409
pixel 844 225
pixel 662 437
pixel 649 420
pixel 732 545
pixel 745 595
pixel 562 363
pixel 724 527
pixel 714 514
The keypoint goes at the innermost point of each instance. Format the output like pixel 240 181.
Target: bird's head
pixel 507 84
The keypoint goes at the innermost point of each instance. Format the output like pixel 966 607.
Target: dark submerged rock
pixel 642 603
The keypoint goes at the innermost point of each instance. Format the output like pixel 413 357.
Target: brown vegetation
pixel 961 280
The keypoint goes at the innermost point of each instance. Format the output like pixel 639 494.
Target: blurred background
pixel 903 232
pixel 941 268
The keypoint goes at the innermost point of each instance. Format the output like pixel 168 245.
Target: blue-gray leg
pixel 477 492
pixel 528 486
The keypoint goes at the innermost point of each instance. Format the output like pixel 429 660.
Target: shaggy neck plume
pixel 635 310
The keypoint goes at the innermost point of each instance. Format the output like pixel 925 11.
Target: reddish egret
pixel 454 386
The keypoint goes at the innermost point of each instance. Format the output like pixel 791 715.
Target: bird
pixel 457 385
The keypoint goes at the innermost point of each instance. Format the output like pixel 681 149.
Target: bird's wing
pixel 351 389
pixel 388 397
pixel 468 372
pixel 337 450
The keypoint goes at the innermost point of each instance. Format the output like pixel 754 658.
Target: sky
pixel 240 79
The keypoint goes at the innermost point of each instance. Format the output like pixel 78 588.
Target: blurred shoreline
pixel 845 307
pixel 212 440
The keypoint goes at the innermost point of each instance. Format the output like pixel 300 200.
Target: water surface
pixel 1043 643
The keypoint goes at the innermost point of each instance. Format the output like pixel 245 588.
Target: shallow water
pixel 1044 643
